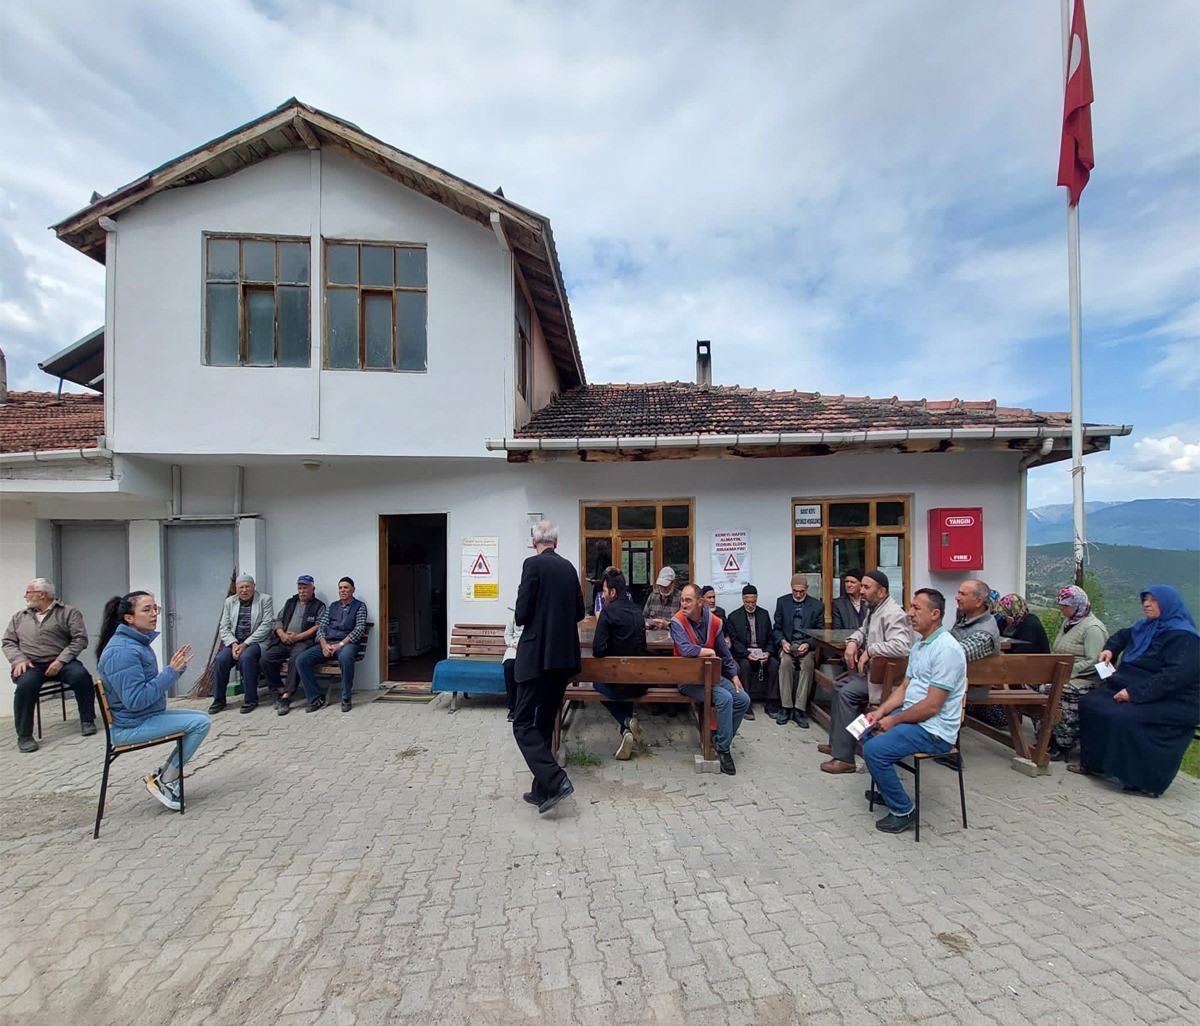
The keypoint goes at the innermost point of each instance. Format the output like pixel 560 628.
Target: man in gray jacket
pixel 43 641
pixel 245 624
pixel 886 632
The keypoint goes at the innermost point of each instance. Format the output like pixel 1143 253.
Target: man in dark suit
pixel 795 614
pixel 549 607
pixel 620 631
pixel 849 608
pixel 750 641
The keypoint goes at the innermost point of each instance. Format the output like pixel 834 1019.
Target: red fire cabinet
pixel 956 538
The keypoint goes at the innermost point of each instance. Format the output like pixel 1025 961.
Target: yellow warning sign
pixel 487 591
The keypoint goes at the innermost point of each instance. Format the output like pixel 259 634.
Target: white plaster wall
pixel 167 401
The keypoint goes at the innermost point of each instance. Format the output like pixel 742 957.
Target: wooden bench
pixel 474 665
pixel 661 675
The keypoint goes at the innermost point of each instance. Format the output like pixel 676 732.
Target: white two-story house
pixel 323 355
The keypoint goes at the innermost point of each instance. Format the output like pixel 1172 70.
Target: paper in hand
pixel 1105 670
pixel 858 726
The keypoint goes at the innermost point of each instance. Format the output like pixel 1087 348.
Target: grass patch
pixel 580 756
pixel 1191 760
pixel 410 753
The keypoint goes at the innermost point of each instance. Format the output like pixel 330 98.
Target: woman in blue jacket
pixel 137 690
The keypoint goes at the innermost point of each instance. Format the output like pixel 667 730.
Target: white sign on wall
pixel 730 560
pixel 808 516
pixel 480 567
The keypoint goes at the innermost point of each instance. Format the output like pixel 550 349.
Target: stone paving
pixel 380 867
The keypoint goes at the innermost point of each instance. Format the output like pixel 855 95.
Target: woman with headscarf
pixel 1135 727
pixel 1081 635
pixel 1018 623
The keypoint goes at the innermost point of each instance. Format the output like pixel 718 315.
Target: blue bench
pixel 476 662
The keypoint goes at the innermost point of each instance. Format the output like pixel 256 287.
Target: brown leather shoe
pixel 825 749
pixel 837 766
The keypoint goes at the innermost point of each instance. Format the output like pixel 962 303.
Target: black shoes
pixel 216 707
pixel 284 705
pixel 727 766
pixel 346 707
pixel 532 799
pixel 893 824
pixel 800 719
pixel 316 704
pixel 249 708
pixel 871 795
pixel 87 728
pixel 510 715
pixel 27 744
pixel 783 716
pixel 565 791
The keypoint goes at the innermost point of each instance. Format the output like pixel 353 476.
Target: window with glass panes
pixel 833 536
pixel 375 306
pixel 256 309
pixel 640 536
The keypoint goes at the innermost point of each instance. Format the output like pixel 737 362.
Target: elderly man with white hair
pixel 43 641
pixel 246 620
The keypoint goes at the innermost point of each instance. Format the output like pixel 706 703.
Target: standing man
pixel 295 629
pixel 749 631
pixel 923 714
pixel 663 601
pixel 246 620
pixel 43 641
pixel 340 631
pixel 549 607
pixel 886 632
pixel 849 609
pixel 795 615
pixel 697 634
pixel 619 632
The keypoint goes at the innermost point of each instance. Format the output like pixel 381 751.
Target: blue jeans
pixel 193 724
pixel 247 667
pixel 881 752
pixel 731 706
pixel 620 711
pixel 307 662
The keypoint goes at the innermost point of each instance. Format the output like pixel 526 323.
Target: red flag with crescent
pixel 1076 160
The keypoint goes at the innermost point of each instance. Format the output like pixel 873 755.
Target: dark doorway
pixel 413 591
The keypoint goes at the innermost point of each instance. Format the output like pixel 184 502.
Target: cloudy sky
pixel 846 196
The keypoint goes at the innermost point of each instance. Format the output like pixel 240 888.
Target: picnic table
pixel 657 642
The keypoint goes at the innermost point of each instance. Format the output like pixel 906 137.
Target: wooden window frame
pixel 870 534
pixel 361 291
pixel 245 285
pixel 657 534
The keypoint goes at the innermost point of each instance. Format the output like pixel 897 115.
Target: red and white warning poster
pixel 480 567
pixel 730 560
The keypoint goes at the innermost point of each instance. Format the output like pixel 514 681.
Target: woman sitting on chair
pixel 1135 727
pixel 137 692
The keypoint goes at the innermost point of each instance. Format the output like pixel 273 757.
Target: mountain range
pixel 1149 523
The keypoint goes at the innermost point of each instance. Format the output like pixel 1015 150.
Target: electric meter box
pixel 956 538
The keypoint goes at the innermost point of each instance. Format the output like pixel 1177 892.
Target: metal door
pixel 92 567
pixel 200 561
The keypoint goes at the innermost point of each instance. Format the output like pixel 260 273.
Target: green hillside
pixel 1123 571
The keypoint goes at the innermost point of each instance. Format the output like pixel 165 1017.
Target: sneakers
pixel 284 705
pixel 27 744
pixel 636 728
pixel 163 792
pixel 727 766
pixel 893 824
pixel 87 728
pixel 316 704
pixel 346 706
pixel 216 707
pixel 626 749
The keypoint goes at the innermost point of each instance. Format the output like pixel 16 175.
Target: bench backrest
pixel 1002 671
pixel 482 641
pixel 650 670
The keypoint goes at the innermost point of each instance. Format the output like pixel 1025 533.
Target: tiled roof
pixel 685 408
pixel 44 421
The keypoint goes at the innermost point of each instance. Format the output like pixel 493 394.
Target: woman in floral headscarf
pixel 1136 726
pixel 1018 623
pixel 1082 635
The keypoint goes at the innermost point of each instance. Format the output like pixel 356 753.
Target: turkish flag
pixel 1075 161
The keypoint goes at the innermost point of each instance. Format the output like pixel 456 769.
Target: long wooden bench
pixel 328 669
pixel 474 665
pixel 661 675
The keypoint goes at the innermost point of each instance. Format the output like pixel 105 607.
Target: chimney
pixel 3 379
pixel 703 362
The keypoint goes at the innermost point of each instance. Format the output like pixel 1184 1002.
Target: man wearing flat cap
pixel 245 625
pixel 796 614
pixel 294 630
pixel 887 632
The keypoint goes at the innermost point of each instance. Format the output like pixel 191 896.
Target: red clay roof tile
pixel 45 422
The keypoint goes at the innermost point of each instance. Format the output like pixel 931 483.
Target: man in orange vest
pixel 698 634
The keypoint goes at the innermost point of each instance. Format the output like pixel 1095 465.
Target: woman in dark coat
pixel 1018 623
pixel 1135 727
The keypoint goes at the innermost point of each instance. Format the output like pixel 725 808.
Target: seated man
pixel 923 714
pixel 697 635
pixel 849 609
pixel 887 632
pixel 295 630
pixel 663 601
pixel 620 632
pixel 795 615
pixel 43 642
pixel 749 631
pixel 246 620
pixel 339 632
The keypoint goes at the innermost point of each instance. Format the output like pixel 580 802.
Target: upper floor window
pixel 256 309
pixel 375 302
pixel 524 346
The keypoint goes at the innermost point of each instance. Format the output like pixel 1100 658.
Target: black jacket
pixel 812 616
pixel 738 626
pixel 312 613
pixel 549 607
pixel 844 616
pixel 620 630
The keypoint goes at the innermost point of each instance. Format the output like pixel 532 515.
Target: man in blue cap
pixel 294 630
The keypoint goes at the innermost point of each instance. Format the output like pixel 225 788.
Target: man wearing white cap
pixel 245 624
pixel 663 601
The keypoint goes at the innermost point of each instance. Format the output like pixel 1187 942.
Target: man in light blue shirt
pixel 923 714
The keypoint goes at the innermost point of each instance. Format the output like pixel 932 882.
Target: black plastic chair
pixel 111 752
pixel 51 686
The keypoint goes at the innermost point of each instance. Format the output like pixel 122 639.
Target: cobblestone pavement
pixel 380 867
